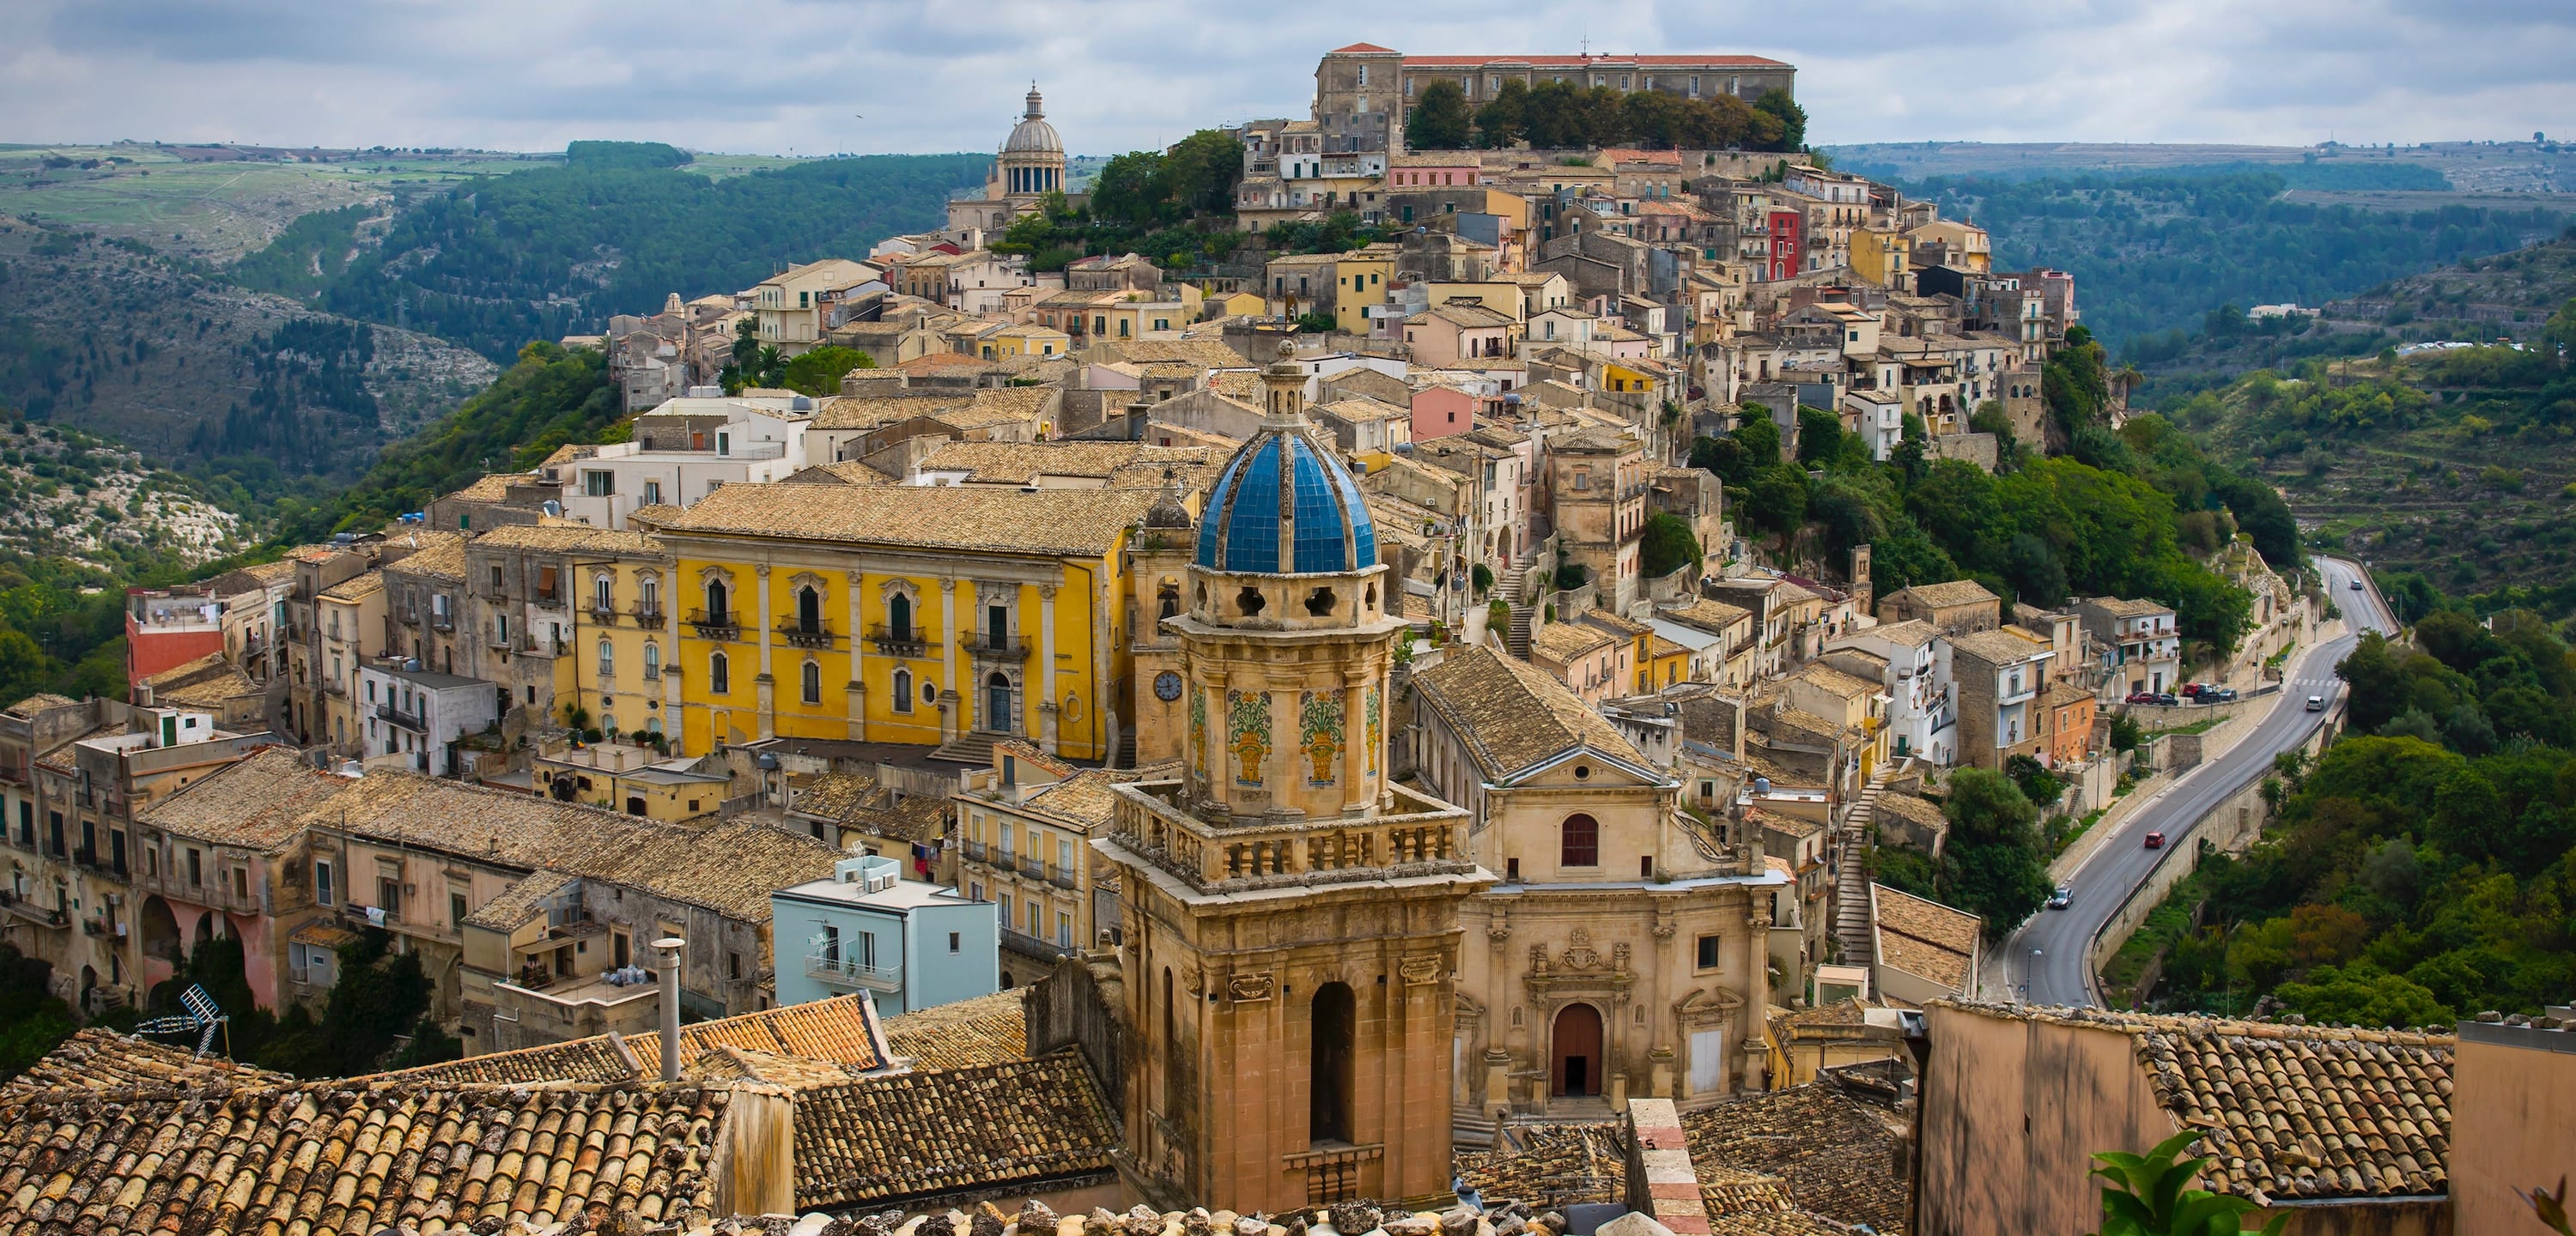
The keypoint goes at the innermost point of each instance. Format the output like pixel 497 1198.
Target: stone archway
pixel 160 930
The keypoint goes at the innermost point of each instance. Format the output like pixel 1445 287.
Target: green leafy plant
pixel 2551 1207
pixel 2145 1195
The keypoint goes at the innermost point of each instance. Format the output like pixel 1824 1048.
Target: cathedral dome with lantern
pixel 1284 505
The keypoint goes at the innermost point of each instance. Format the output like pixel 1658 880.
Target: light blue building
pixel 911 944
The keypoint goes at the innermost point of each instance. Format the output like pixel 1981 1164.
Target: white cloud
pixel 930 75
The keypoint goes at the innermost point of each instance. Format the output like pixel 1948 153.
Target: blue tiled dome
pixel 1284 506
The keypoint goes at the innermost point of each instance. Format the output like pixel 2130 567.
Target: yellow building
pixel 1359 282
pixel 1884 257
pixel 629 779
pixel 908 614
pixel 573 619
pixel 1026 340
pixel 351 618
pixel 1234 304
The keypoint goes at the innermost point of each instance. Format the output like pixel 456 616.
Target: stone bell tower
pixel 1290 917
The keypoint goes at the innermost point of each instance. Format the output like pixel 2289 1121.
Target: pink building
pixel 1456 332
pixel 1442 411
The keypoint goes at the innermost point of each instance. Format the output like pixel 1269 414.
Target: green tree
pixel 1778 498
pixel 819 372
pixel 1439 120
pixel 1666 545
pixel 1820 435
pixel 1777 104
pixel 1500 122
pixel 1198 175
pixel 1997 866
pixel 1125 190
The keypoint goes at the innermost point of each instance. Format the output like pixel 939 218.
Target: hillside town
pixel 1300 749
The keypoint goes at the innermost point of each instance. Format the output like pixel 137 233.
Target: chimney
pixel 669 947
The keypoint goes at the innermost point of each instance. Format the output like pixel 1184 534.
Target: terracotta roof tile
pixel 567 539
pixel 1837 1157
pixel 1512 716
pixel 963 1034
pixel 95 1059
pixel 329 1159
pixel 258 802
pixel 1950 592
pixel 1050 521
pixel 1552 1167
pixel 910 1137
pixel 1925 938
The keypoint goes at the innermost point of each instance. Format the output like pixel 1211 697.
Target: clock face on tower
pixel 1167 686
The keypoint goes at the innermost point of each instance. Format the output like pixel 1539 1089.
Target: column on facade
pixel 1046 667
pixel 1356 797
pixel 951 705
pixel 768 686
pixel 855 705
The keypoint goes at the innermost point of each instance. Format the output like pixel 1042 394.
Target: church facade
pixel 1290 917
pixel 1029 166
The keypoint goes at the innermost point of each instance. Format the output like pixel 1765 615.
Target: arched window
pixel 652 660
pixel 809 610
pixel 601 592
pixel 899 618
pixel 813 682
pixel 1579 842
pixel 1330 1071
pixel 648 594
pixel 719 675
pixel 719 601
pixel 903 690
pixel 607 657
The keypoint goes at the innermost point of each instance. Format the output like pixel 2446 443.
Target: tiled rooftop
pixel 1552 1166
pixel 207 682
pixel 1951 592
pixel 1564 641
pixel 1017 1126
pixel 94 1059
pixel 835 1031
pixel 1838 1157
pixel 330 1159
pixel 1022 462
pixel 952 517
pixel 2294 1111
pixel 257 803
pixel 1925 938
pixel 2002 647
pixel 962 1034
pixel 567 539
pixel 1511 716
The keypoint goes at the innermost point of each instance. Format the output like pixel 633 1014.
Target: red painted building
pixel 167 629
pixel 1786 228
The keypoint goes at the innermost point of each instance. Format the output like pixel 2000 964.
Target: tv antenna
pixel 201 1014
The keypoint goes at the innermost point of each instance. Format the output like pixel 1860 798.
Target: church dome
pixel 1284 505
pixel 1033 134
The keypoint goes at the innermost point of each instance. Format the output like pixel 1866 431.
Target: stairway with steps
pixel 1515 592
pixel 1851 900
pixel 971 747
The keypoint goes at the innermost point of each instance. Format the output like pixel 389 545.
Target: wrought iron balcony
pixel 724 626
pixel 827 967
pixel 909 642
pixel 985 646
pixel 798 635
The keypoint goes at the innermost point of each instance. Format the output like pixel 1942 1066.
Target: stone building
pixel 1029 166
pixel 1290 917
pixel 1622 954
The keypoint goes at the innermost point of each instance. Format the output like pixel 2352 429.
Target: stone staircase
pixel 970 747
pixel 1470 1131
pixel 1851 899
pixel 1515 591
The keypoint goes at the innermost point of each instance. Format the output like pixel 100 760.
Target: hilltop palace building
pixel 1363 92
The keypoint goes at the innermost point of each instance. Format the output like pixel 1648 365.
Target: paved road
pixel 2044 959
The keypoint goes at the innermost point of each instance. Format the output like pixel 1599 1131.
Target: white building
pixel 414 716
pixel 684 450
pixel 1922 708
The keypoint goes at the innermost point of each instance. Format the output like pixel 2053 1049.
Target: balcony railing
pixel 983 644
pixel 1059 875
pixel 725 626
pixel 798 635
pixel 908 642
pixel 648 617
pixel 45 916
pixel 442 622
pixel 396 716
pixel 1022 942
pixel 1032 868
pixel 824 967
pixel 974 850
pixel 603 614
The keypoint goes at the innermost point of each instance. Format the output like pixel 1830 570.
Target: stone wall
pixel 1078 1005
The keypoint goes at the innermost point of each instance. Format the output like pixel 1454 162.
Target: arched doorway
pixel 160 929
pixel 1331 1072
pixel 1574 1053
pixel 997 703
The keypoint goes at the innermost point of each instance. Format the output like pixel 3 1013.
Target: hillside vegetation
pixel 550 251
pixel 2454 463
pixel 2422 870
pixel 2153 254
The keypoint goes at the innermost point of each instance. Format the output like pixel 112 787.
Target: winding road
pixel 2044 960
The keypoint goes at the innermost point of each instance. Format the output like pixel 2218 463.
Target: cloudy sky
pixel 776 76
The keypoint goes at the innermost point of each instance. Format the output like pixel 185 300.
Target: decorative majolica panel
pixel 1319 735
pixel 1199 734
pixel 1248 734
pixel 1376 730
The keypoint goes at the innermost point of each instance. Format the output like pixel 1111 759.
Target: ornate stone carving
pixel 1248 986
pixel 1538 959
pixel 1579 953
pixel 1193 980
pixel 1619 957
pixel 1417 971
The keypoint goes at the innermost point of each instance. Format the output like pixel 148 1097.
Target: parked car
pixel 2142 697
pixel 2169 699
pixel 2058 900
pixel 2194 690
pixel 2316 703
pixel 2218 695
pixel 2155 841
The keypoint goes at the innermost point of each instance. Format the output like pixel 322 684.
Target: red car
pixel 2155 841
